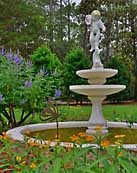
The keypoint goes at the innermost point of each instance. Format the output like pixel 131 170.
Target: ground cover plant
pixel 31 156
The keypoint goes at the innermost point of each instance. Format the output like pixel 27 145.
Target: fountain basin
pixel 18 132
pixel 97 90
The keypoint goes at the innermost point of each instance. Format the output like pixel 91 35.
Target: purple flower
pixel 44 72
pixel 1 97
pixel 9 56
pixel 16 58
pixel 21 60
pixel 54 73
pixel 2 52
pixel 28 84
pixel 57 93
pixel 29 63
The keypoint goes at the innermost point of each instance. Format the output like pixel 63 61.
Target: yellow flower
pixel 118 142
pixel 27 132
pixel 119 136
pixel 23 162
pixel 33 165
pixel 4 136
pixel 18 158
pixel 3 133
pixel 82 134
pixel 75 138
pixel 57 140
pixel 89 138
pixel 98 128
pixel 105 143
pixel 120 154
pixel 33 143
pixel 57 136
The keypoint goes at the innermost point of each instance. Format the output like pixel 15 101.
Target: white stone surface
pixel 96 117
pixel 96 90
pixel 97 73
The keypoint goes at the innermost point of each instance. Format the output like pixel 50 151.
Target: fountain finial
pixel 95 25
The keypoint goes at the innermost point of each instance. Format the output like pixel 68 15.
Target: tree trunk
pixel 51 8
pixel 69 21
pixel 133 36
pixel 108 37
pixel 85 38
pixel 12 119
pixel 61 23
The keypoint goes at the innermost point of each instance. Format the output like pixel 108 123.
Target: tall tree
pixel 21 25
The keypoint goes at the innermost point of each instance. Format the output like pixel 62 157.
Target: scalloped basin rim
pixel 97 73
pixel 97 90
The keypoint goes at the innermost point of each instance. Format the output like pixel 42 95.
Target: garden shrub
pixel 22 92
pixel 44 58
pixel 75 60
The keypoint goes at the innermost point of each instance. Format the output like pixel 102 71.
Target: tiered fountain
pixel 96 90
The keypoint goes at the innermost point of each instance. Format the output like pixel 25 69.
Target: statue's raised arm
pixel 95 25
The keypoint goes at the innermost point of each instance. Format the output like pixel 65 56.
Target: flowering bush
pixel 22 92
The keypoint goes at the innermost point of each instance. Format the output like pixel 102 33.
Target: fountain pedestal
pixel 96 118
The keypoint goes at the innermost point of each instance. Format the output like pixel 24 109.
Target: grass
pixel 111 112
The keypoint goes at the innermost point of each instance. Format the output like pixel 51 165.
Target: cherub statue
pixel 94 24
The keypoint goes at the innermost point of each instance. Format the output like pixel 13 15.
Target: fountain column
pixel 96 118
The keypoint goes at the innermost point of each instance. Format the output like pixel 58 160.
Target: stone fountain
pixel 96 91
pixel 97 75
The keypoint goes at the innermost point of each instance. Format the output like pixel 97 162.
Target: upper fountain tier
pixel 97 76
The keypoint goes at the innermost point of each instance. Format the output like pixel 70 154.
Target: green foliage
pixel 32 156
pixel 21 26
pixel 75 60
pixel 44 58
pixel 124 77
pixel 22 89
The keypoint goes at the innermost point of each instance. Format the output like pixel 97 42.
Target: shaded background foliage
pixel 75 60
pixel 28 24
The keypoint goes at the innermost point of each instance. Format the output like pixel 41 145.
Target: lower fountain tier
pixel 97 90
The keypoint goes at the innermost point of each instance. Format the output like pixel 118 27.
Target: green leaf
pixel 56 168
pixel 126 164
